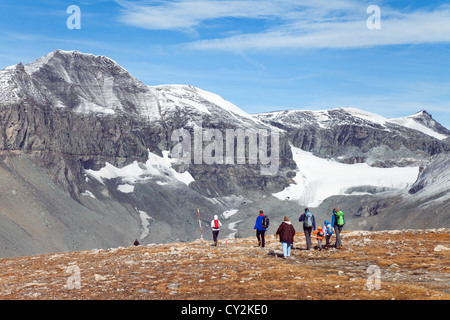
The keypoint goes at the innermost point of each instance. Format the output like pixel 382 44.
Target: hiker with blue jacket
pixel 261 225
pixel 328 232
pixel 309 225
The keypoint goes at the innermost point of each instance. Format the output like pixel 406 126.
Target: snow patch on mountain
pixel 145 223
pixel 196 101
pixel 228 213
pixel 224 104
pixel 156 167
pixel 410 123
pixel 365 115
pixel 317 178
pixel 172 96
pixel 125 188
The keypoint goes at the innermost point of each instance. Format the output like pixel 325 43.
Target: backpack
pixel 216 224
pixel 265 222
pixel 329 229
pixel 308 219
pixel 339 216
pixel 320 234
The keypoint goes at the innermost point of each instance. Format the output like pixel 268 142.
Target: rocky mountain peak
pixel 423 113
pixel 66 59
pixel 426 119
pixel 87 83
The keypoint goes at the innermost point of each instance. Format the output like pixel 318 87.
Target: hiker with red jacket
pixel 260 227
pixel 320 234
pixel 287 232
pixel 215 225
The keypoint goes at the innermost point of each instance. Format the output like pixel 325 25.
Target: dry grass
pixel 238 270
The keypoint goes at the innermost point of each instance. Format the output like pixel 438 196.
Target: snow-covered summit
pixel 327 119
pixel 86 83
pixel 36 65
pixel 194 104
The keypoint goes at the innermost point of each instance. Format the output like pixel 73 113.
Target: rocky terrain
pixel 396 264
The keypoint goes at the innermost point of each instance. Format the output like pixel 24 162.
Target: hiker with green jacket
pixel 338 221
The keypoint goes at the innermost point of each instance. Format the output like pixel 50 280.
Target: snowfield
pixel 318 179
pixel 136 172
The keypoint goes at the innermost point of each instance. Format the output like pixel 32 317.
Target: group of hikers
pixel 286 230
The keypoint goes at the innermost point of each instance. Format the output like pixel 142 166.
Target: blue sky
pixel 261 55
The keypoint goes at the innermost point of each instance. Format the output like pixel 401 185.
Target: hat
pixel 319 228
pixel 216 217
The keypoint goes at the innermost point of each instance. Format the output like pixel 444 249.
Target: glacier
pixel 317 179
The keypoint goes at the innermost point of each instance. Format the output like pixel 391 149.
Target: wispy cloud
pixel 179 15
pixel 413 28
pixel 298 24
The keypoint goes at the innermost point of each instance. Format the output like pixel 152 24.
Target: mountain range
pixel 88 161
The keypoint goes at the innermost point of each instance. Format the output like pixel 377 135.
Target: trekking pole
pixel 200 224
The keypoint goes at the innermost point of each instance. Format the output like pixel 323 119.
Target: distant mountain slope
pixel 353 136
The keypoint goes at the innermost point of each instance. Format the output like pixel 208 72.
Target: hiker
pixel 136 242
pixel 286 231
pixel 215 225
pixel 319 233
pixel 328 230
pixel 309 224
pixel 338 221
pixel 261 224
